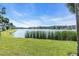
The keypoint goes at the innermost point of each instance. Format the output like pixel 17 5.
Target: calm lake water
pixel 20 33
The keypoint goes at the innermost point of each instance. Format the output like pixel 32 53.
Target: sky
pixel 38 14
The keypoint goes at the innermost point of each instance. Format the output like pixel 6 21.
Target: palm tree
pixel 74 8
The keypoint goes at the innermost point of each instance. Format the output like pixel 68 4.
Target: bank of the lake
pixel 27 46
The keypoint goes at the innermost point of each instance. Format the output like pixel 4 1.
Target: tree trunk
pixel 77 23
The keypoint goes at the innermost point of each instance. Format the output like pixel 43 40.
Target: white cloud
pixel 67 20
pixel 29 23
pixel 17 24
pixel 63 18
pixel 18 14
pixel 32 23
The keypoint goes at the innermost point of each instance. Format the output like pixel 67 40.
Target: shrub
pixel 57 35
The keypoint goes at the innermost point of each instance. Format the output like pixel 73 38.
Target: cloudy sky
pixel 42 14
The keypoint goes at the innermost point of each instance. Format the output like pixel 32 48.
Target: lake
pixel 20 33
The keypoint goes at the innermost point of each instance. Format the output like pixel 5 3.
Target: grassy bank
pixel 28 46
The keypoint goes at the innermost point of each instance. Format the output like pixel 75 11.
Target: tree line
pixel 55 27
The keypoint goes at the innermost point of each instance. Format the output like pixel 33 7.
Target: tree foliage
pixel 71 7
pixel 5 20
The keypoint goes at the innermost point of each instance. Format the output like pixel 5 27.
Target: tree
pixel 11 25
pixel 74 8
pixel 6 20
pixel 3 10
pixel 2 19
pixel 71 7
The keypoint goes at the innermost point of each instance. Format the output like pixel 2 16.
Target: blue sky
pixel 42 14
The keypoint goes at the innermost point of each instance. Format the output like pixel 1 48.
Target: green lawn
pixel 34 47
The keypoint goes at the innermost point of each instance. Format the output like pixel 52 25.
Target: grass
pixel 10 46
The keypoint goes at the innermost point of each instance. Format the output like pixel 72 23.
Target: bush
pixel 58 35
pixel 3 29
